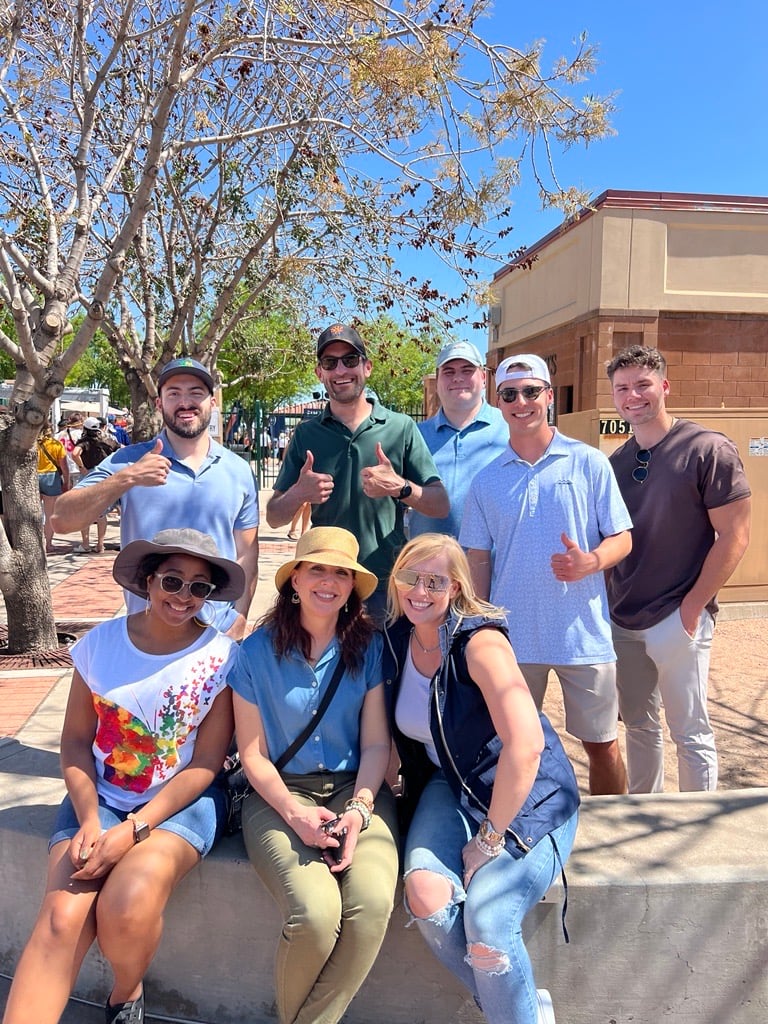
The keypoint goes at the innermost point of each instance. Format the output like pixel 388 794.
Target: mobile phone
pixel 333 854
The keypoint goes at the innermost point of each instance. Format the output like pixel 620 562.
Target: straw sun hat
pixel 330 545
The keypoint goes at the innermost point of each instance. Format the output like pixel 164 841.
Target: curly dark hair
pixel 353 628
pixel 637 355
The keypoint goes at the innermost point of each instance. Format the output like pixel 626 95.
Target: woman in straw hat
pixel 147 727
pixel 328 858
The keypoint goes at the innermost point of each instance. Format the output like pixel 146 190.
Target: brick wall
pixel 713 361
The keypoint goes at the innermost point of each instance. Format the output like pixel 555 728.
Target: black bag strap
pixel 310 727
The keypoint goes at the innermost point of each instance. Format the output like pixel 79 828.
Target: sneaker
pixel 126 1013
pixel 79 549
pixel 546 1011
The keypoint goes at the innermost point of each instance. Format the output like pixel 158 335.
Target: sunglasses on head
pixel 529 392
pixel 409 578
pixel 330 362
pixel 640 472
pixel 173 584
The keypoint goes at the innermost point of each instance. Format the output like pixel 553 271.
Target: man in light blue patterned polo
pixel 464 435
pixel 550 509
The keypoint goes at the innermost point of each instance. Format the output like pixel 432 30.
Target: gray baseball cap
pixel 459 350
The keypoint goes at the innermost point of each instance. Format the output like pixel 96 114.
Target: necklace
pixel 427 650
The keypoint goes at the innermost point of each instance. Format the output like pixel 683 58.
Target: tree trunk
pixel 146 421
pixel 23 576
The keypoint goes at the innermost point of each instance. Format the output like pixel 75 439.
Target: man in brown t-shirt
pixel 685 488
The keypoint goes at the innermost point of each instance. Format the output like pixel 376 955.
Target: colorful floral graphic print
pixel 140 755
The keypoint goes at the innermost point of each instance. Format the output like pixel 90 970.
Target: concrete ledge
pixel 667 912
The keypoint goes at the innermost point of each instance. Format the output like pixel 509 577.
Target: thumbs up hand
pixel 381 480
pixel 152 468
pixel 573 564
pixel 316 488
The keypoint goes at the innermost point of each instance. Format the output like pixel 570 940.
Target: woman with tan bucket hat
pixel 320 827
pixel 147 727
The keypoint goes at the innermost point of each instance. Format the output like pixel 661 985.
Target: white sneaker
pixel 546 1011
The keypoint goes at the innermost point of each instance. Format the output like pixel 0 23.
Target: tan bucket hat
pixel 185 541
pixel 330 545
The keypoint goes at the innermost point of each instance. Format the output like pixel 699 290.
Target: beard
pixel 182 428
pixel 346 395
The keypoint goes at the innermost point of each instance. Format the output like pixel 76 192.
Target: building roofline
pixel 625 199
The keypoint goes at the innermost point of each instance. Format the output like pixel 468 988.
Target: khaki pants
pixel 333 925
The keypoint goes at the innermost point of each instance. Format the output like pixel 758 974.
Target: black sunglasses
pixel 529 392
pixel 172 584
pixel 640 472
pixel 330 362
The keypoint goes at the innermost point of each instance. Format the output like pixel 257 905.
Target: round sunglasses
pixel 640 472
pixel 529 393
pixel 172 584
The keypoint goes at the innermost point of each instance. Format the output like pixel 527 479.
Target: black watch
pixel 405 491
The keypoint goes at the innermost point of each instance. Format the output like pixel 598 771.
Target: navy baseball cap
pixel 341 332
pixel 185 365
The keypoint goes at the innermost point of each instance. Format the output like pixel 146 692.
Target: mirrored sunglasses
pixel 640 472
pixel 330 362
pixel 409 578
pixel 529 392
pixel 173 584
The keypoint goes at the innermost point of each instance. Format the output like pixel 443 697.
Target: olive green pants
pixel 333 925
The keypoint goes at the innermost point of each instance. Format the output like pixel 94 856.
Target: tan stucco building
pixel 685 272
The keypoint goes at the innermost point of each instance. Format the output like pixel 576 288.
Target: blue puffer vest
pixel 466 741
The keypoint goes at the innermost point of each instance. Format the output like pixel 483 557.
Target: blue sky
pixel 692 84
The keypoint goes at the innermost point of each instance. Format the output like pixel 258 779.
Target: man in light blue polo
pixel 464 435
pixel 181 478
pixel 551 510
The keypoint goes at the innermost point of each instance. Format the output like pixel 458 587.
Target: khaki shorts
pixel 590 697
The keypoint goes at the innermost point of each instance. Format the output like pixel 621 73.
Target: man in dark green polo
pixel 358 464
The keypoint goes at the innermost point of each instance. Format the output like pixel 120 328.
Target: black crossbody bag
pixel 235 780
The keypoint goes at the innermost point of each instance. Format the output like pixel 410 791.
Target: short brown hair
pixel 638 355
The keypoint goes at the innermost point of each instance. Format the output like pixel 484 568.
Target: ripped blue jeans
pixel 485 920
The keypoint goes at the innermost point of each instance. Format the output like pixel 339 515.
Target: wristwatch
pixel 140 829
pixel 405 491
pixel 489 834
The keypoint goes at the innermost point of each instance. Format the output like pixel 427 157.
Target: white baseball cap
pixel 533 366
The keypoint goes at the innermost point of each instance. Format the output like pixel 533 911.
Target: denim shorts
pixel 49 484
pixel 200 822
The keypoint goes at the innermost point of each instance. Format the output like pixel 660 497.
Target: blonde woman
pixel 494 793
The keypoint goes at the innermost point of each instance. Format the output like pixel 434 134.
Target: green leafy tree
pixel 268 359
pixel 98 367
pixel 164 167
pixel 401 360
